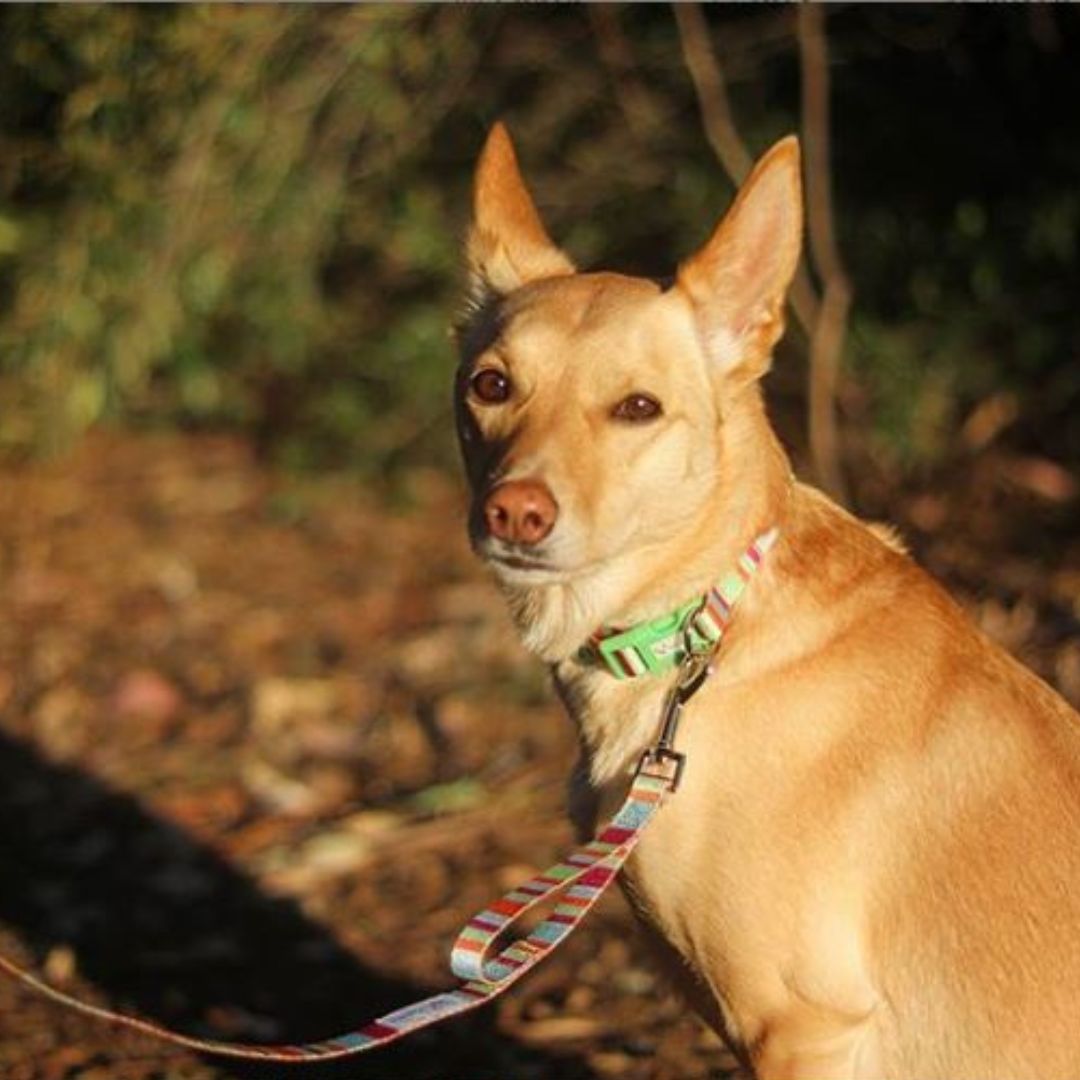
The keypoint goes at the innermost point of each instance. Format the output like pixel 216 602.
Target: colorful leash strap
pixel 582 877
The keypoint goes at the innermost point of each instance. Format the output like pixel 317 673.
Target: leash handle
pixel 584 875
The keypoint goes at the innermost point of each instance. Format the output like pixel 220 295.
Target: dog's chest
pixel 616 720
pixel 665 878
pixel 684 891
pixel 697 880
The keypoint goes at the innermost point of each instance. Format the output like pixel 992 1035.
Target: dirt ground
pixel 265 745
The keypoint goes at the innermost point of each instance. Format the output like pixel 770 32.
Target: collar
pixel 656 646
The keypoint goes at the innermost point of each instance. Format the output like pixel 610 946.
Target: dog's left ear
pixel 738 280
pixel 508 244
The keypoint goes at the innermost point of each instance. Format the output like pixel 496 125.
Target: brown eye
pixel 490 386
pixel 637 408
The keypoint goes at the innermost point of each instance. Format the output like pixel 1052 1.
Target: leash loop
pixel 581 878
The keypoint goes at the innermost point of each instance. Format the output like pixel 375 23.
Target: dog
pixel 872 865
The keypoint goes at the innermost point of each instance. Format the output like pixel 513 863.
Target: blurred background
pixel 250 218
pixel 245 658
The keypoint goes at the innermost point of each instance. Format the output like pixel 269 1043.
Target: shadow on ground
pixel 161 925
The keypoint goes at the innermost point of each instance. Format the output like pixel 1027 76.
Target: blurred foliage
pixel 250 215
pixel 204 218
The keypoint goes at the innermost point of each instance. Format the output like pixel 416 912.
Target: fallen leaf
pixel 560 1029
pixel 60 965
pixel 147 695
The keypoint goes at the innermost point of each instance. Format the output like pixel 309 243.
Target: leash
pixel 582 878
pixel 578 881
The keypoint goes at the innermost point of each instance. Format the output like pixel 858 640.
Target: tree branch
pixel 827 339
pixel 729 147
pixel 639 106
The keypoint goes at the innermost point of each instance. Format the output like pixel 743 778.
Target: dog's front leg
pixel 807 1042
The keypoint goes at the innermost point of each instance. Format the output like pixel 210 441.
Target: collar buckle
pixel 658 645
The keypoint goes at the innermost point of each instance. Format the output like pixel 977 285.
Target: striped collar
pixel 661 644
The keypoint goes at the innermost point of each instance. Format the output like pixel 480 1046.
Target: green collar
pixel 662 644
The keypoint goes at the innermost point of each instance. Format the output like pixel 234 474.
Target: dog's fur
pixel 872 868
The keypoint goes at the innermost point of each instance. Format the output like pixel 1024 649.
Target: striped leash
pixel 581 878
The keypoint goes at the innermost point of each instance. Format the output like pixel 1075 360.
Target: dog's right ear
pixel 508 245
pixel 737 281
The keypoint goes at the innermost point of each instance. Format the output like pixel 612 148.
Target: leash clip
pixel 693 672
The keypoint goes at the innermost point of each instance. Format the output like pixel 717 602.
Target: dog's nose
pixel 520 511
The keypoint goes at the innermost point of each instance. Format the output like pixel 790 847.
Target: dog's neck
pixel 749 495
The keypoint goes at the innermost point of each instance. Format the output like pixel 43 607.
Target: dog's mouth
pixel 516 568
pixel 517 562
pixel 513 564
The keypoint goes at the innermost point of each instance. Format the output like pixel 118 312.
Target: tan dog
pixel 872 867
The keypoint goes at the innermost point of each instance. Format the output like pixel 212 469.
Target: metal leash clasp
pixel 693 671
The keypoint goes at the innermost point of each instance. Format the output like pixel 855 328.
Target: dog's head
pixel 591 406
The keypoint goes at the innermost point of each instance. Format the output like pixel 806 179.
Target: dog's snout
pixel 520 511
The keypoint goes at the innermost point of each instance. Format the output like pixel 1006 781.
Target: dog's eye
pixel 637 408
pixel 490 386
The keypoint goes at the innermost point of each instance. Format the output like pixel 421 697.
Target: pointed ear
pixel 508 245
pixel 738 280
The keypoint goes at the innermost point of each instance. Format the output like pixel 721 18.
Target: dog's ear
pixel 508 245
pixel 738 280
